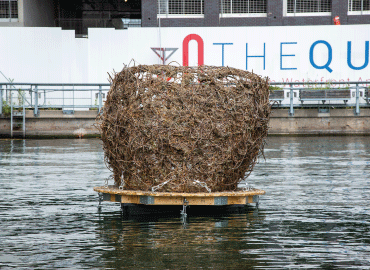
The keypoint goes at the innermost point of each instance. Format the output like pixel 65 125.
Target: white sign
pixel 283 53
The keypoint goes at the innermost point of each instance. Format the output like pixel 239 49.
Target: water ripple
pixel 315 214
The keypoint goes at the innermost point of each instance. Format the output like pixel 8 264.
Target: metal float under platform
pixel 149 202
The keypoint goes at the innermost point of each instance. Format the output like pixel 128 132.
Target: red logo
pixel 185 49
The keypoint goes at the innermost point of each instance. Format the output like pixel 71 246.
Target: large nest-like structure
pixel 184 129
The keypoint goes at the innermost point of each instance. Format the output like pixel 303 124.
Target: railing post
pixel 36 110
pixel 31 96
pixel 357 111
pixel 1 99
pixel 73 97
pixel 291 109
pixel 100 99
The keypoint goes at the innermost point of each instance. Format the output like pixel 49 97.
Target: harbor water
pixel 315 214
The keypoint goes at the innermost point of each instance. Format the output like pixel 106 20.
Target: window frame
pixel 236 15
pixel 357 12
pixel 10 18
pixel 184 15
pixel 302 14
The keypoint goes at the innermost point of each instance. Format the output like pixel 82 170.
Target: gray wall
pixel 149 13
pixel 274 16
pixel 310 121
pixel 38 13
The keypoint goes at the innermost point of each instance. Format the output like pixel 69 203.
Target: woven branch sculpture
pixel 184 129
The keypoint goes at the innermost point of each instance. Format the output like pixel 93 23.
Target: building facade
pixel 83 14
pixel 211 13
pixel 306 46
pixel 78 15
pixel 28 13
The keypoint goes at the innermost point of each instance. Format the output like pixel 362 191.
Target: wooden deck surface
pixel 114 194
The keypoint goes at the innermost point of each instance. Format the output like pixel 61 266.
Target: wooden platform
pixel 114 194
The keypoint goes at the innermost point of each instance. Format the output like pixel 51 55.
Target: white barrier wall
pixel 293 53
pixel 42 55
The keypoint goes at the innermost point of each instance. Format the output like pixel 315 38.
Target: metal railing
pixel 66 97
pixel 71 97
pixel 359 95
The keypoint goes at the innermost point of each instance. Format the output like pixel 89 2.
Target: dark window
pixel 359 5
pixel 242 6
pixel 180 7
pixel 8 9
pixel 308 6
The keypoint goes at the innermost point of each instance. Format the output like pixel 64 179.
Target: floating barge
pixel 135 202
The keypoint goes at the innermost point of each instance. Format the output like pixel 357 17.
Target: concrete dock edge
pixel 80 124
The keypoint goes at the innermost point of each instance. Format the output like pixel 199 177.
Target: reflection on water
pixel 167 243
pixel 315 214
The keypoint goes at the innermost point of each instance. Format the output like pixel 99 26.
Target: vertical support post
pixel 73 97
pixel 10 11
pixel 1 99
pixel 11 114
pixel 100 100
pixel 36 110
pixel 24 115
pixel 291 109
pixel 31 96
pixel 357 111
pixel 91 97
